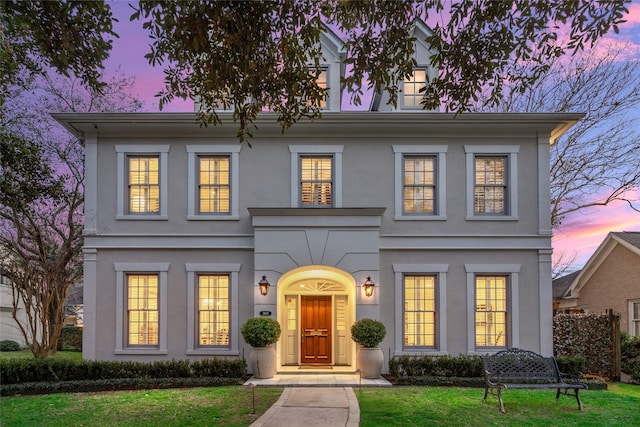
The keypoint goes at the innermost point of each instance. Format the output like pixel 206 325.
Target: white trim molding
pixel 333 150
pixel 121 181
pixel 511 270
pixel 122 269
pixel 511 152
pixel 440 197
pixel 193 151
pixel 192 271
pixel 440 270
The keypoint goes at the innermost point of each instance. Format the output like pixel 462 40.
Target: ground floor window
pixel 213 309
pixel 419 311
pixel 142 309
pixel 491 311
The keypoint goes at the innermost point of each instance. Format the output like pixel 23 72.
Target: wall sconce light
pixel 368 287
pixel 264 286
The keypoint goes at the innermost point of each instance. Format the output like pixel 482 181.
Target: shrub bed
pixel 9 345
pixel 436 366
pixel 19 372
pixel 630 356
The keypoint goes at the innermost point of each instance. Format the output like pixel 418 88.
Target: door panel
pixel 316 329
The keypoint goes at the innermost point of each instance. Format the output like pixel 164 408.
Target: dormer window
pixel 412 96
pixel 322 82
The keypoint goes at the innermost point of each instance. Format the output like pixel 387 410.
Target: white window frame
pixel 512 272
pixel 440 153
pixel 511 196
pixel 631 319
pixel 192 272
pixel 193 151
pixel 418 107
pixel 122 270
pixel 327 98
pixel 440 271
pixel 313 150
pixel 123 151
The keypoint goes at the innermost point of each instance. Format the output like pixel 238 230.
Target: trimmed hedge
pixel 16 371
pixel 114 384
pixel 630 356
pixel 9 345
pixel 436 366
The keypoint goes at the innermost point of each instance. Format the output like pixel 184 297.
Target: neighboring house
pixel 560 285
pixel 9 329
pixel 447 215
pixel 609 280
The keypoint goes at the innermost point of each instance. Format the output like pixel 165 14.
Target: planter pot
pixel 263 361
pixel 369 360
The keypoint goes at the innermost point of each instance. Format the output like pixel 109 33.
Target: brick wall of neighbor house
pixel 613 284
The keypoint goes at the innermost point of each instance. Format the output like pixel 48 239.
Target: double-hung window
pixel 316 181
pixel 420 187
pixel 413 86
pixel 492 182
pixel 492 309
pixel 316 176
pixel 212 309
pixel 141 308
pixel 213 178
pixel 634 318
pixel 323 82
pixel 420 304
pixel 142 182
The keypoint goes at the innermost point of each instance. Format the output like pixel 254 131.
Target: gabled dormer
pixel 409 95
pixel 332 68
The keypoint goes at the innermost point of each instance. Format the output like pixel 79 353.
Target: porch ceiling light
pixel 264 286
pixel 368 286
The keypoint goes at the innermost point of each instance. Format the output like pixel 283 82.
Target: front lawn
pixel 26 354
pixel 455 406
pixel 228 406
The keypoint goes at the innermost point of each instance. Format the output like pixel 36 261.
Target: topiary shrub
pixel 261 331
pixel 9 345
pixel 368 332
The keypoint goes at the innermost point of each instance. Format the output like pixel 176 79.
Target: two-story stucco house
pixel 447 216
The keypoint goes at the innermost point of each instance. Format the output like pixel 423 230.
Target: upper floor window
pixel 142 182
pixel 492 182
pixel 490 191
pixel 213 178
pixel 323 82
pixel 213 184
pixel 316 181
pixel 412 86
pixel 316 175
pixel 420 187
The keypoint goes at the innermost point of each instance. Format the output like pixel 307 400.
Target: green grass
pixel 453 406
pixel 224 406
pixel 26 354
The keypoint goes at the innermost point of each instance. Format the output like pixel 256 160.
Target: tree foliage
pixel 41 199
pixel 71 37
pixel 253 56
pixel 597 161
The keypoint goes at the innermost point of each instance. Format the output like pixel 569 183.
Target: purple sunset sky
pixel 580 234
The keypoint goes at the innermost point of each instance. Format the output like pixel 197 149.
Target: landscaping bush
pixel 436 366
pixel 70 339
pixel 9 345
pixel 57 370
pixel 630 356
pixel 571 364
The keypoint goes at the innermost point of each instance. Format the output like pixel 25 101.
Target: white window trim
pixel 440 152
pixel 122 269
pixel 631 319
pixel 121 181
pixel 301 150
pixel 440 270
pixel 193 151
pixel 426 69
pixel 511 151
pixel 510 270
pixel 192 271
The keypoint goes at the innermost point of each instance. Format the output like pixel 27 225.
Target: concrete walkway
pixel 313 406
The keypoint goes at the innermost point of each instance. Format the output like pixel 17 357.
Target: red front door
pixel 316 329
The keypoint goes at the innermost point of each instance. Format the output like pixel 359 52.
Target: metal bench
pixel 515 368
